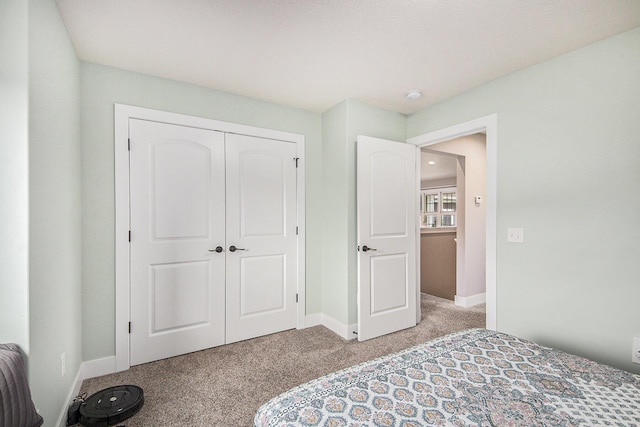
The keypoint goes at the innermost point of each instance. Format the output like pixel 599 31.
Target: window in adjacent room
pixel 438 207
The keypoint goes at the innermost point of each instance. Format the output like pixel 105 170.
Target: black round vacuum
pixel 111 406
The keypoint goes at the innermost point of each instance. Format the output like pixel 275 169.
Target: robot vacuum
pixel 111 406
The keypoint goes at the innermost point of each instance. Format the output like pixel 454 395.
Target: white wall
pixel 14 173
pixel 55 210
pixel 567 134
pixel 100 88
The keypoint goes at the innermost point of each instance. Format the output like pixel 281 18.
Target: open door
pixel 386 214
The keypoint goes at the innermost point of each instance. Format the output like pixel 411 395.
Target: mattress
pixel 471 378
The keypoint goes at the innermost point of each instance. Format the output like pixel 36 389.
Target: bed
pixel 470 378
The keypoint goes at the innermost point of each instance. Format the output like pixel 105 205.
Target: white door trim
pixel 122 114
pixel 489 126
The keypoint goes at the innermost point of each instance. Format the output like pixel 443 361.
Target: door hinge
pixel 296 159
pixel 129 327
pixel 296 297
pixel 296 230
pixel 129 235
pixel 129 144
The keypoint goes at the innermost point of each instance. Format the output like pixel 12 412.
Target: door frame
pixel 489 126
pixel 122 114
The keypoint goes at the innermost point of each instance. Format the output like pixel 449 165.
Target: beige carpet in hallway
pixel 224 386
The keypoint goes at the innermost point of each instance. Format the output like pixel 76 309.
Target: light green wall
pixel 335 225
pixel 101 87
pixel 341 126
pixel 55 210
pixel 14 173
pixel 567 167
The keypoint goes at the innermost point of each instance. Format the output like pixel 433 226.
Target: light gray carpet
pixel 225 386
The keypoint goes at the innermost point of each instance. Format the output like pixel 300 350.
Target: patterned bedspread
pixel 471 378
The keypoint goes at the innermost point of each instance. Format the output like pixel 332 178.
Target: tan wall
pixel 438 264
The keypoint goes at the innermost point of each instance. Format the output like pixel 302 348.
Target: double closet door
pixel 213 238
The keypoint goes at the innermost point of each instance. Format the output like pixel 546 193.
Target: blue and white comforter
pixel 471 378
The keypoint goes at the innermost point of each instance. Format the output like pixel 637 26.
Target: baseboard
pixel 86 370
pixel 107 365
pixel 314 319
pixel 339 328
pixel 470 301
pixel 75 390
pixel 98 367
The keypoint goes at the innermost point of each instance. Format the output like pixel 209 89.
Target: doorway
pixel 488 126
pixel 439 219
pixel 460 209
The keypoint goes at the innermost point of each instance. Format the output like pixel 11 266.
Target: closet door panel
pixel 261 225
pixel 177 217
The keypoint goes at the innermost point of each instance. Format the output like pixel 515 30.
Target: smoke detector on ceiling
pixel 414 94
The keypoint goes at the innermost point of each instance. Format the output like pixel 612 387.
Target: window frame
pixel 440 212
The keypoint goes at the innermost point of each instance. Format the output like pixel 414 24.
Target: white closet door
pixel 386 224
pixel 261 224
pixel 177 220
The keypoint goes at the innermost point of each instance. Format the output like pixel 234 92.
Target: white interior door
pixel 386 225
pixel 261 224
pixel 177 187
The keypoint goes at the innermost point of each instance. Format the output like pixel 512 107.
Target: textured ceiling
pixel 313 54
